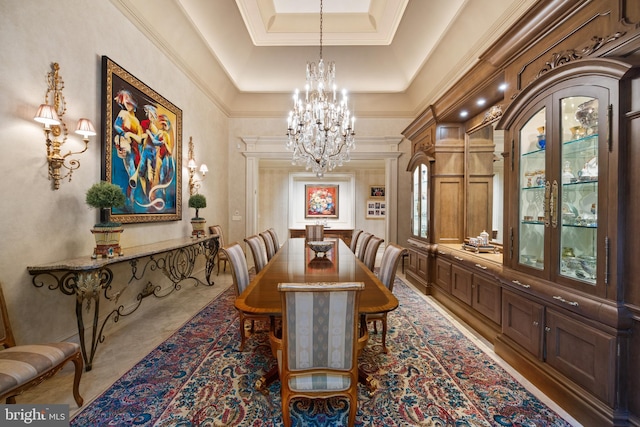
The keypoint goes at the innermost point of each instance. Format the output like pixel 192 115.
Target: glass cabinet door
pixel 534 212
pixel 578 222
pixel 558 148
pixel 420 201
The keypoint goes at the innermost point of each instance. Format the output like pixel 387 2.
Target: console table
pixel 344 234
pixel 85 278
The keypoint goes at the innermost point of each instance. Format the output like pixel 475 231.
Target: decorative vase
pixel 107 241
pixel 198 225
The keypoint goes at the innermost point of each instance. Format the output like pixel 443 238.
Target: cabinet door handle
pixel 535 323
pixel 481 266
pixel 546 203
pixel 571 303
pixel 554 204
pixel 442 253
pixel 517 282
pixel 547 329
pixel 458 258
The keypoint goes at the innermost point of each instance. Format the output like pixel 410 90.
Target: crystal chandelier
pixel 320 128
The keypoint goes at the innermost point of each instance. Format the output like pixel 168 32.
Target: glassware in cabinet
pixel 579 189
pixel 533 213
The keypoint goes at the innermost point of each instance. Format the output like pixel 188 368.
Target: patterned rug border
pixel 488 350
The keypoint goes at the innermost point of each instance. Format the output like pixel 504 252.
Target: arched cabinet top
pixel 614 69
pixel 417 158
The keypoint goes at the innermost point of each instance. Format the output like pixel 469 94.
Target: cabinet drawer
pixel 461 282
pixel 582 353
pixel 522 321
pixel 443 274
pixel 487 298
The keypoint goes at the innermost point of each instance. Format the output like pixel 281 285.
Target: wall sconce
pixel 50 115
pixel 194 182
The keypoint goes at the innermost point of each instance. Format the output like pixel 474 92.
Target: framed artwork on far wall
pixel 141 147
pixel 377 191
pixel 376 209
pixel 321 201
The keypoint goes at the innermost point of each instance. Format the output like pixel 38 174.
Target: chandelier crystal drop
pixel 320 127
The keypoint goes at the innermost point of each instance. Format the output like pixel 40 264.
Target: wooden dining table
pixel 295 262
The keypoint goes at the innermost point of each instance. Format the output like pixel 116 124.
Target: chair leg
pixel 242 334
pixel 79 365
pixel 353 408
pixel 218 273
pixel 384 335
pixel 286 416
pixel 375 326
pixel 11 400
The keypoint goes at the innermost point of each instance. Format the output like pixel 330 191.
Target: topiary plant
pixel 105 195
pixel 197 201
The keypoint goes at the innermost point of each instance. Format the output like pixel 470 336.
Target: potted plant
pixel 104 195
pixel 197 202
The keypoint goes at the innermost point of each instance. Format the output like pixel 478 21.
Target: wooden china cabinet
pixel 562 316
pixel 561 300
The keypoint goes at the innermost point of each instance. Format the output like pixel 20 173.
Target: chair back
pixel 239 269
pixel 319 329
pixel 314 233
pixel 354 240
pixel 268 244
pixel 216 229
pixel 259 255
pixel 371 251
pixel 6 336
pixel 389 264
pixel 364 241
pixel 274 237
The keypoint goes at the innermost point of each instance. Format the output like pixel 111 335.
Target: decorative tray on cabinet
pixel 480 249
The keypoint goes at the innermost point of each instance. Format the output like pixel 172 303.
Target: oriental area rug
pixel 433 375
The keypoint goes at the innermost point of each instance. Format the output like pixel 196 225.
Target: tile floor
pixel 134 336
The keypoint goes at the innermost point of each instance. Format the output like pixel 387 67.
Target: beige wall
pixel 39 225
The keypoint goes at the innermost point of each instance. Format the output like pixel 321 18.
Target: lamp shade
pixel 85 128
pixel 47 115
pixel 192 164
pixel 204 169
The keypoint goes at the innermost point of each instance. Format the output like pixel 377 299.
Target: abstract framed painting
pixel 377 191
pixel 321 201
pixel 141 147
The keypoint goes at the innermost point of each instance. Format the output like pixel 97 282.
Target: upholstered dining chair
pixel 362 247
pixel 371 251
pixel 240 274
pixel 259 255
pixel 268 244
pixel 274 237
pixel 318 351
pixel 25 366
pixel 221 257
pixel 387 275
pixel 314 233
pixel 354 240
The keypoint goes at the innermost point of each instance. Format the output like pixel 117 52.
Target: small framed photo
pixel 377 191
pixel 376 209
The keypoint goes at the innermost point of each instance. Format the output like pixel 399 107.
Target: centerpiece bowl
pixel 320 247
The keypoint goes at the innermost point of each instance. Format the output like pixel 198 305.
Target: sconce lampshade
pixel 47 115
pixel 192 164
pixel 85 128
pixel 204 169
